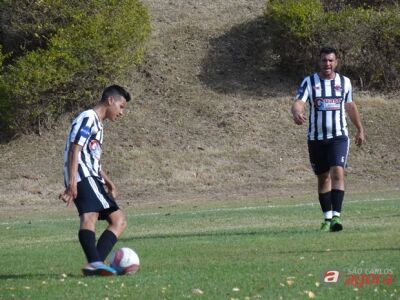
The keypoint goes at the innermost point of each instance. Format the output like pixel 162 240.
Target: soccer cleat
pixel 336 224
pixel 326 226
pixel 98 268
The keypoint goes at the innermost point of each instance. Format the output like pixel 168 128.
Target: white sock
pixel 328 214
pixel 336 214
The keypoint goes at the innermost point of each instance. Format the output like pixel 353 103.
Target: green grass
pixel 254 250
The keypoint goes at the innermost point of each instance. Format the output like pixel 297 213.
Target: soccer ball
pixel 125 261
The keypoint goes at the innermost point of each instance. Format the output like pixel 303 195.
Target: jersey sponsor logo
pixel 324 104
pixel 338 88
pixel 95 149
pixel 85 132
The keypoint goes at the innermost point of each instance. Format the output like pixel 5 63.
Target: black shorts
pixel 328 153
pixel 92 197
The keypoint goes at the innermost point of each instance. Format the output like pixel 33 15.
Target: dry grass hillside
pixel 210 120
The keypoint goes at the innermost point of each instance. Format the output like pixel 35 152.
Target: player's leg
pixel 87 239
pixel 325 199
pixel 324 182
pixel 338 159
pixel 320 167
pixel 117 225
pixel 97 199
pixel 87 236
pixel 337 176
pixel 89 206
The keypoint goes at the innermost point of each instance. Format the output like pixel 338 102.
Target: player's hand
pixel 360 138
pixel 69 195
pixel 113 192
pixel 299 118
pixel 111 188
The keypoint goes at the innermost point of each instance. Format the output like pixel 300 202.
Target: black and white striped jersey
pixel 326 99
pixel 87 131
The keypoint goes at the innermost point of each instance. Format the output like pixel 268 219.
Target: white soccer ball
pixel 125 261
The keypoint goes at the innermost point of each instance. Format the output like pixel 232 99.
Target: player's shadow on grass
pixel 208 234
pixel 252 233
pixel 242 61
pixel 36 276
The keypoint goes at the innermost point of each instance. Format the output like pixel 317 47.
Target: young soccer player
pixel 88 186
pixel 329 95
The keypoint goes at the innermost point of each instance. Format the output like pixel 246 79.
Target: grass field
pixel 254 250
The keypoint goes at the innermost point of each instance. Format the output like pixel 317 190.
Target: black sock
pixel 87 238
pixel 105 244
pixel 325 201
pixel 337 200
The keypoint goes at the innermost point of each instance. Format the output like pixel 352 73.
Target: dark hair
pixel 113 91
pixel 328 50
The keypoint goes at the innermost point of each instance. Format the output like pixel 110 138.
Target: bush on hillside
pixel 90 47
pixel 28 25
pixel 368 39
pixel 335 5
pixel 293 24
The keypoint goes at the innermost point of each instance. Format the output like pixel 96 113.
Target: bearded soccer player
pixel 88 186
pixel 329 98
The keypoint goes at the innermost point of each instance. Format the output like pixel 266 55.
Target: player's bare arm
pixel 112 190
pixel 354 115
pixel 70 193
pixel 297 112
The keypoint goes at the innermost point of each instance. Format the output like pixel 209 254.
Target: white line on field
pixel 264 207
pixel 243 208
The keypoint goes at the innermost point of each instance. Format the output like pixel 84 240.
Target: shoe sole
pixel 97 272
pixel 87 272
pixel 336 227
pixel 106 273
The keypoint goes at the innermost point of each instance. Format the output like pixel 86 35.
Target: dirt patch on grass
pixel 210 120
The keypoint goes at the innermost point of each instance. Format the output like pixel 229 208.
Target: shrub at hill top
pixel 67 51
pixel 367 37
